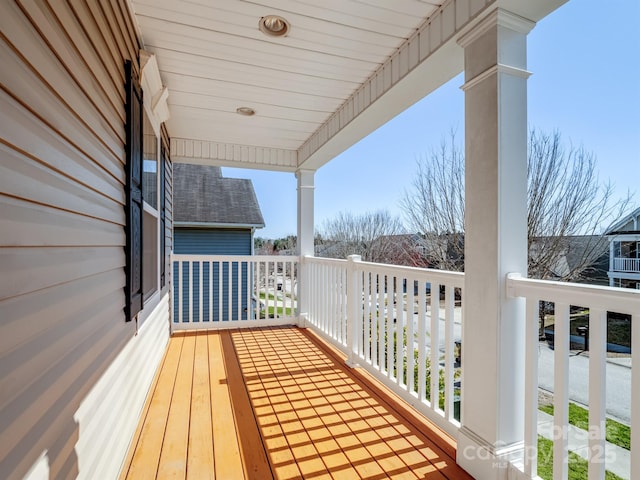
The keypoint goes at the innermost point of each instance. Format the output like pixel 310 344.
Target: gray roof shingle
pixel 202 195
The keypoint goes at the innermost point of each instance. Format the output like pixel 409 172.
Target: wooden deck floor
pixel 277 403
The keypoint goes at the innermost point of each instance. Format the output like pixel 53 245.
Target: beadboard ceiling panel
pixel 338 58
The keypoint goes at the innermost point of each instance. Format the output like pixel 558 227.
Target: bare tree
pixel 435 205
pixel 567 207
pixel 370 235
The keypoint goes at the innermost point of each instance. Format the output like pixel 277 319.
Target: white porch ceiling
pixel 332 80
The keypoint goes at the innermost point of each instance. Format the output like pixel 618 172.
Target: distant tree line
pixel 279 246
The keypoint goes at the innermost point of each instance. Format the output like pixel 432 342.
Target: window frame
pixel 149 209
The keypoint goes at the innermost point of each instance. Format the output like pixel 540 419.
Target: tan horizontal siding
pixel 31 269
pixel 60 69
pixel 100 35
pixel 27 316
pixel 27 178
pixel 44 225
pixel 60 387
pixel 73 373
pixel 98 140
pixel 23 371
pixel 73 51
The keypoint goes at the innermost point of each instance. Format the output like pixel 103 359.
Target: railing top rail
pixel 427 274
pixel 595 296
pixel 325 261
pixel 234 258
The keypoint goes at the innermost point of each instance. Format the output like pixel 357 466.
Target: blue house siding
pixel 192 241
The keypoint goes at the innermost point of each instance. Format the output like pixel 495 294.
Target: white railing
pixel 328 298
pixel 405 323
pixel 598 301
pixel 626 264
pixel 213 291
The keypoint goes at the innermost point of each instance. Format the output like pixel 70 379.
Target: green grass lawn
pixel 578 466
pixel 282 312
pixel 272 311
pixel 617 433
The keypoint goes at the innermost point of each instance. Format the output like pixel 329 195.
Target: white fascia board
pixel 532 9
pixel 623 221
pixel 622 237
pixel 436 70
pixel 248 226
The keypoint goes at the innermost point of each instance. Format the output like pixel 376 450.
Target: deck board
pixel 200 464
pixel 277 403
pixel 173 459
pixel 226 451
pixel 254 458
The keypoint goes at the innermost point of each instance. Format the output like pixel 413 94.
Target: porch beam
pixel 493 328
pixel 187 150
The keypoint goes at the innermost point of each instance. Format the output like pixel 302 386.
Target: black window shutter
pixel 134 209
pixel 163 213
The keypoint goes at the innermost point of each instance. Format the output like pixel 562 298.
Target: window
pixel 148 176
pixel 150 221
pixel 150 165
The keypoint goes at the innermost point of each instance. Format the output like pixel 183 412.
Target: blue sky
pixel 585 59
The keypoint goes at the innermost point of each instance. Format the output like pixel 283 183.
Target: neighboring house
pixel 624 252
pixel 575 258
pixel 214 215
pixel 408 249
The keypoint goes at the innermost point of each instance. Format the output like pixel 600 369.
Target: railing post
pixel 635 396
pixel 304 291
pixel 354 297
pixel 172 291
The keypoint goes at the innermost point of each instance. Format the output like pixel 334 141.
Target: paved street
pixel 618 382
pixel 618 373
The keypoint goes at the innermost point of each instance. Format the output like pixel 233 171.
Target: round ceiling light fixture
pixel 273 25
pixel 246 111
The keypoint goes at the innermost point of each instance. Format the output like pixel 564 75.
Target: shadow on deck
pixel 278 403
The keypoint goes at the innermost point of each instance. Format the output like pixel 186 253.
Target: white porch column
pixel 305 238
pixel 495 243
